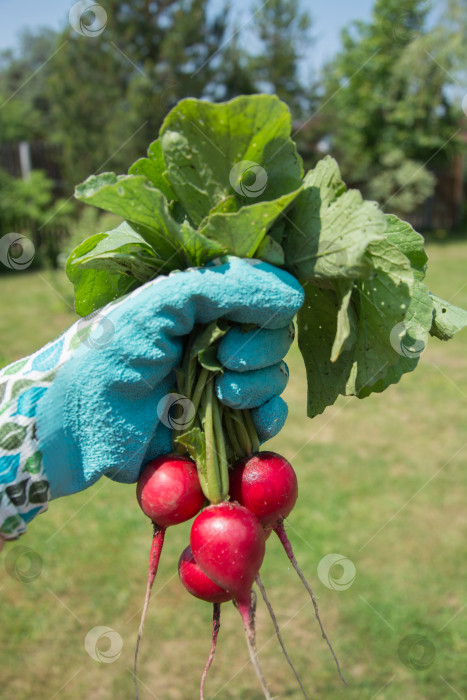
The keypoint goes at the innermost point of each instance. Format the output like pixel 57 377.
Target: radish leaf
pixel 197 247
pixel 226 206
pixel 409 242
pixel 241 232
pixel 195 442
pixel 153 169
pixel 120 249
pixel 447 319
pixel 408 338
pixel 96 288
pixel 330 228
pixel 270 251
pixel 210 336
pixel 107 265
pixel 317 326
pixel 136 200
pixel 205 143
pixel 377 304
pixel 346 320
pixel 383 300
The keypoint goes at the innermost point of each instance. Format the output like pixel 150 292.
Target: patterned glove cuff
pixel 24 487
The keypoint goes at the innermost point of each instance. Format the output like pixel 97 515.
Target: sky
pixel 329 18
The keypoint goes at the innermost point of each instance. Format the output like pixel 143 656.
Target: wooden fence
pixel 445 209
pixel 18 159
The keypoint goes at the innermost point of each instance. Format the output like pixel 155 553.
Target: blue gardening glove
pixel 99 415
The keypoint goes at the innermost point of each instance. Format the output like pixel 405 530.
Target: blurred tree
pixel 235 74
pixel 30 201
pixel 401 183
pixel 30 208
pixel 87 93
pixel 18 120
pixel 284 31
pixel 25 108
pixel 454 23
pixel 111 92
pixel 388 104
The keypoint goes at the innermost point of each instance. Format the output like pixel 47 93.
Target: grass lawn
pixel 382 483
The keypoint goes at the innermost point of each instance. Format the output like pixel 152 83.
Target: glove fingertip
pixel 242 351
pixel 160 444
pixel 269 418
pixel 251 389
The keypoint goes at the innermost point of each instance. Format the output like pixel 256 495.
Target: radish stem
pixel 216 623
pixel 223 467
pixel 282 535
pixel 212 468
pixel 278 633
pixel 250 427
pixel 154 557
pixel 232 433
pixel 199 388
pixel 242 433
pixel 189 363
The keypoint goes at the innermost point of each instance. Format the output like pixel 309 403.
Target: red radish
pixel 169 493
pixel 168 490
pixel 198 584
pixel 266 484
pixel 228 543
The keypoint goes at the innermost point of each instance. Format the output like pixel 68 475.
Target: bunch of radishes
pixel 227 540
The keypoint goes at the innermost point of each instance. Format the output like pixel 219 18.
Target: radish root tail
pixel 216 623
pixel 154 557
pixel 247 611
pixel 282 535
pixel 278 633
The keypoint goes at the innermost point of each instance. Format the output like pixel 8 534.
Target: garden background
pixel 382 481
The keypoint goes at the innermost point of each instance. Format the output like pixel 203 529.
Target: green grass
pixel 382 482
pixel 35 308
